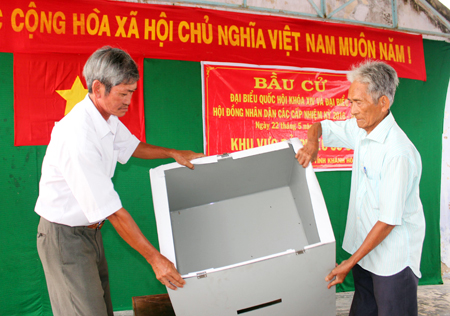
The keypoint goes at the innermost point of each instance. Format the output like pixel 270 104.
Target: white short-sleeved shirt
pixel 385 187
pixel 75 187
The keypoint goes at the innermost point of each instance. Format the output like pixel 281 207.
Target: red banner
pixel 247 106
pixel 47 87
pixel 189 33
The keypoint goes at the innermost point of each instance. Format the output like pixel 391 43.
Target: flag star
pixel 73 95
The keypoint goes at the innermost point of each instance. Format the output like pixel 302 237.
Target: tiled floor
pixel 434 300
pixel 124 313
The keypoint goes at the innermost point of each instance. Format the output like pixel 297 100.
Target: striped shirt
pixel 385 187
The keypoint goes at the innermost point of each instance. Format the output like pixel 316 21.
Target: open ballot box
pixel 249 232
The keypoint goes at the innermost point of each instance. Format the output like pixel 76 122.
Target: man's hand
pixel 184 157
pixel 164 269
pixel 166 273
pixel 338 274
pixel 376 235
pixel 308 153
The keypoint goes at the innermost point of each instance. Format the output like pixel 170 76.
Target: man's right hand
pixel 308 153
pixel 166 272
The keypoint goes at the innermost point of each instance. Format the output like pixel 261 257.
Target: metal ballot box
pixel 248 231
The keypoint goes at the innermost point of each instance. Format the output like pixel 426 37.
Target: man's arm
pixel 164 269
pixel 308 153
pixel 376 235
pixel 183 157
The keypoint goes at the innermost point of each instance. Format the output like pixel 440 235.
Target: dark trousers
pixel 75 269
pixel 384 296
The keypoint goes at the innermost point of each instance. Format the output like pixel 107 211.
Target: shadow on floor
pixel 433 300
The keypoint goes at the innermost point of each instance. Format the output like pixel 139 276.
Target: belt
pixel 97 225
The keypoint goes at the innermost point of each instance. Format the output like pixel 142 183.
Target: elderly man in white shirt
pixel 385 223
pixel 76 193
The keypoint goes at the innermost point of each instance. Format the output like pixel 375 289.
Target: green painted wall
pixel 174 119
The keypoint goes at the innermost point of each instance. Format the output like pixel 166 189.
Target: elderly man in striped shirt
pixel 385 223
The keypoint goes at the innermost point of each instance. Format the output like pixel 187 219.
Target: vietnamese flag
pixel 48 86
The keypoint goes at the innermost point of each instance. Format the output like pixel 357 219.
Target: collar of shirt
pixel 102 127
pixel 381 131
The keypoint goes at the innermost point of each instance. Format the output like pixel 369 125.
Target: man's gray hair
pixel 381 79
pixel 111 66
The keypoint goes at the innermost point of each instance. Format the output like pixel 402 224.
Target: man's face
pixel 117 101
pixel 368 114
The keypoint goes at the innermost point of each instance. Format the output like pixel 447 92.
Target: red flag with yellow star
pixel 48 86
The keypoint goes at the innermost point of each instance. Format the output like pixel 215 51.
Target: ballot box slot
pixel 253 308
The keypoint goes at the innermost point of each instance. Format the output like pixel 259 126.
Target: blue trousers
pixel 384 295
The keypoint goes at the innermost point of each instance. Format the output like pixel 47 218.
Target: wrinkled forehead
pixel 126 87
pixel 359 90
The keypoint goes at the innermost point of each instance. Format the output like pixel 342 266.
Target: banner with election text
pixel 161 31
pixel 196 34
pixel 247 106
